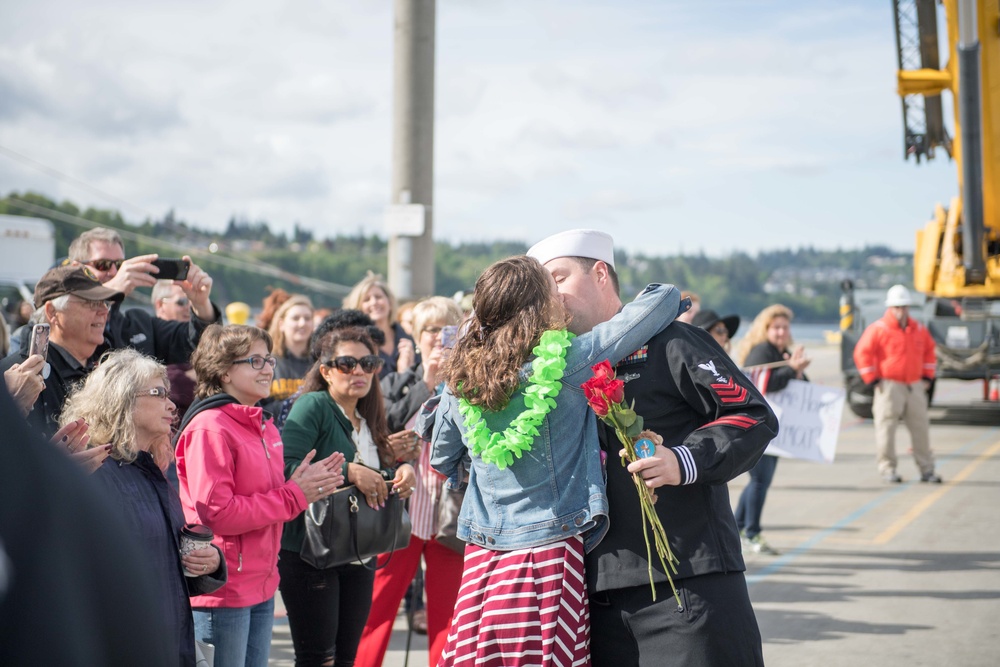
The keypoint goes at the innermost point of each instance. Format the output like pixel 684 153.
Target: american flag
pixel 759 376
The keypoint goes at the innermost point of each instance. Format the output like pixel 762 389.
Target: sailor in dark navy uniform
pixel 715 425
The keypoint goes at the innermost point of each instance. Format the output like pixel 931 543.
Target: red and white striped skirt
pixel 520 608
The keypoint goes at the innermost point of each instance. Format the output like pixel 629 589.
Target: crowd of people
pixel 187 423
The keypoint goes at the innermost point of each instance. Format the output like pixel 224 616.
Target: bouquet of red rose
pixel 606 396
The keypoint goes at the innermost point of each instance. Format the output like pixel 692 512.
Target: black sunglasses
pixel 369 363
pixel 105 264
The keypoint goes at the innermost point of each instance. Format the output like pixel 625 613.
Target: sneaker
pixel 930 477
pixel 759 546
pixel 892 477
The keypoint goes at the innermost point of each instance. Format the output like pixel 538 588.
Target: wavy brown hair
pixel 218 348
pixel 370 406
pixel 513 305
pixel 270 305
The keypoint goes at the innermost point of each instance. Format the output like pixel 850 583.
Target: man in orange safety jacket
pixel 896 355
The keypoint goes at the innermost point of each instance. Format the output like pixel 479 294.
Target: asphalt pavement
pixel 868 572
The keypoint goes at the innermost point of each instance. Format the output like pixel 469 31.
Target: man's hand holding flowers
pixel 660 469
pixel 605 394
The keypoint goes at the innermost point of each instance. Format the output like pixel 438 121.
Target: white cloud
pixel 725 124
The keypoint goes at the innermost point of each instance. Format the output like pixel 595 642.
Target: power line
pixel 244 264
pixel 55 173
pixel 255 265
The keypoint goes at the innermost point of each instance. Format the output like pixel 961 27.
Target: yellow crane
pixel 958 252
pixel 957 259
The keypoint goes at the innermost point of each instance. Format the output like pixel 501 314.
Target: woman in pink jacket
pixel 230 464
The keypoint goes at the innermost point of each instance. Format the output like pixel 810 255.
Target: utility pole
pixel 409 219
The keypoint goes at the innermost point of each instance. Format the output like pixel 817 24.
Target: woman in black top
pixel 767 348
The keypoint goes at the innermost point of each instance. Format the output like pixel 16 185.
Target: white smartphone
pixel 39 340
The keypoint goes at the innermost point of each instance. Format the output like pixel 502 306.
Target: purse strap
pixel 353 520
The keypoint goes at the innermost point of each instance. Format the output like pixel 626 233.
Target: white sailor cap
pixel 588 243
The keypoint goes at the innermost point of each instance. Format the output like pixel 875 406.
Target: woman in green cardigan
pixel 340 410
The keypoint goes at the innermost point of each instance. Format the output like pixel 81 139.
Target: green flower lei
pixel 539 399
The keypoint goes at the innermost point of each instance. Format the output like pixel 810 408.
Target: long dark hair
pixel 370 406
pixel 513 306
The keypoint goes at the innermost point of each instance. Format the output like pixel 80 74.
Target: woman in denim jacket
pixel 536 498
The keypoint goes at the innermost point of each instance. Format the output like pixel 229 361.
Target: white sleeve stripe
pixel 686 460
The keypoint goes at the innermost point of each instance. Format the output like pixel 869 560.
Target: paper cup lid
pixel 197 531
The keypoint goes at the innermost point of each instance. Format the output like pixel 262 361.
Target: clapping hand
pixel 406 355
pixel 320 479
pixel 74 437
pixel 798 361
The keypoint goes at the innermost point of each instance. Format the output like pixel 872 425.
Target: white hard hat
pixel 898 295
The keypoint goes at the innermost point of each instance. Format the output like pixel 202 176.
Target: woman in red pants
pixel 404 393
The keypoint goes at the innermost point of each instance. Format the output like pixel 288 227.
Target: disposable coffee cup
pixel 194 536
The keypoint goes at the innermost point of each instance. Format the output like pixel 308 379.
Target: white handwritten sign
pixel 808 421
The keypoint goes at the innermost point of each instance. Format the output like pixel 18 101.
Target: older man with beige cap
pixel 76 306
pixel 715 425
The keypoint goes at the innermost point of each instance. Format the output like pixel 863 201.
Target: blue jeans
pixel 241 635
pixel 751 504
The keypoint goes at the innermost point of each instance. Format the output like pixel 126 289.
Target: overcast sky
pixel 677 126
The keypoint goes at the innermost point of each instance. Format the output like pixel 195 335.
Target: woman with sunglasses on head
pixel 341 412
pixel 125 402
pixel 230 463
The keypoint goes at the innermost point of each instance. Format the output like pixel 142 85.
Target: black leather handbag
pixel 342 528
pixel 448 508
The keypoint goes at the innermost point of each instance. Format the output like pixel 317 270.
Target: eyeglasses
pixel 369 363
pixel 92 304
pixel 720 329
pixel 257 362
pixel 180 301
pixel 105 264
pixel 156 392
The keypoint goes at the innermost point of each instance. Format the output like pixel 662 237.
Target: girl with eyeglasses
pixel 340 411
pixel 230 463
